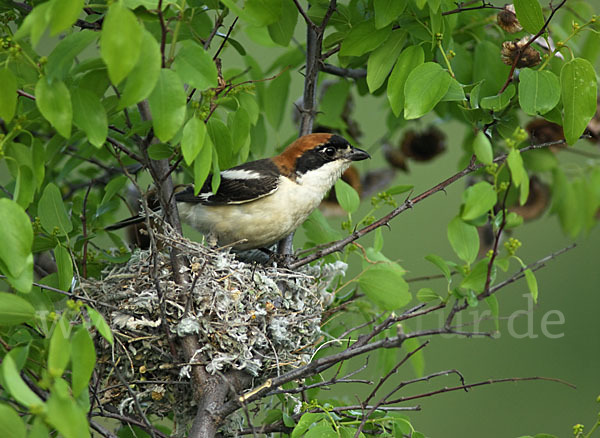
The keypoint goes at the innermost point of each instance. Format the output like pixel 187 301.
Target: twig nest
pixel 247 317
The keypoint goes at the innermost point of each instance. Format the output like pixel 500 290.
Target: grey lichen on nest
pixel 247 317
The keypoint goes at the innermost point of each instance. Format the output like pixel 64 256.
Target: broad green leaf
pixel 455 92
pixel 539 91
pixel 478 199
pixel 263 12
pixel 52 211
pixel 195 66
pixel 100 324
pixel 492 302
pixel 500 101
pixel 16 235
pixel 113 187
pixel 385 286
pixel 120 42
pixel 529 14
pixel 531 284
pixel 305 422
pixel 363 38
pixel 167 104
pixel 14 309
pixel 387 11
pixel 90 116
pixel 220 136
pixel 276 99
pixel 192 139
pixel 25 187
pixel 239 124
pixel 64 414
pixel 203 164
pixel 578 92
pixel 59 350
pixel 464 239
pixel 61 58
pixel 332 104
pixel 440 263
pixel 488 68
pixel 483 148
pixel 417 360
pixel 427 294
pixel 54 102
pixel 38 429
pixel 215 181
pixel 16 386
pixel 346 196
pixel 83 360
pixel 8 94
pixel 318 229
pixel 11 423
pixel 323 429
pixel 282 30
pixel 425 86
pixel 517 170
pixel 63 14
pixel 382 59
pixel 399 189
pixel 35 23
pixel 64 267
pixel 142 79
pixel 476 279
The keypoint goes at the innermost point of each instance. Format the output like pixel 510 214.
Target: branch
pixel 354 73
pixel 408 204
pixel 461 8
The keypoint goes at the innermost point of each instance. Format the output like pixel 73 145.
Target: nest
pixel 247 317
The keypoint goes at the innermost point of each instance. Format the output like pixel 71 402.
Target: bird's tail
pixel 126 222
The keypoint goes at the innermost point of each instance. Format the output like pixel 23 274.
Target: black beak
pixel 357 154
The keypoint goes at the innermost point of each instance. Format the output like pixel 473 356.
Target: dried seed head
pixel 395 157
pixel 543 131
pixel 423 146
pixel 507 19
pixel 528 57
pixel 537 201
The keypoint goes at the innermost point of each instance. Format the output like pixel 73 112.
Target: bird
pixel 260 202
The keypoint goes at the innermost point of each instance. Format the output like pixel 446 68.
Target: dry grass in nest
pixel 247 317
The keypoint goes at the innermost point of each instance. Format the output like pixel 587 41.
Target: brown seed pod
pixel 423 146
pixel 528 57
pixel 507 19
pixel 395 157
pixel 543 131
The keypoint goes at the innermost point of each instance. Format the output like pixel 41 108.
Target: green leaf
pixel 144 75
pixel 63 14
pixel 483 148
pixel 305 422
pixel 64 414
pixel 363 38
pixel 409 59
pixel 83 360
pixel 424 88
pixel 61 58
pixel 440 263
pixel 203 164
pixel 332 104
pixel 16 235
pixel 488 68
pixel 464 239
pixel 500 101
pixel 113 187
pixel 518 174
pixel 35 23
pixel 385 286
pixel 387 11
pixel 90 116
pixel 8 94
pixel 25 187
pixel 120 42
pixel 64 267
pixel 11 423
pixel 417 360
pixel 529 14
pixel 578 91
pixel 195 66
pixel 382 60
pixel 263 12
pixel 399 189
pixel 475 280
pixel 492 302
pixel 276 99
pixel 455 92
pixel 539 91
pixel 282 30
pixel 220 136
pixel 16 386
pixel 346 196
pixel 52 211
pixel 318 229
pixel 427 294
pixel 478 200
pixel 54 102
pixel 323 429
pixel 59 350
pixel 239 124
pixel 14 310
pixel 167 105
pixel 100 324
pixel 531 284
pixel 192 139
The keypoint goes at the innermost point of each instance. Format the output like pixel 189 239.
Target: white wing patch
pixel 240 174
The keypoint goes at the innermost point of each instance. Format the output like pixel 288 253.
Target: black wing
pixel 240 184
